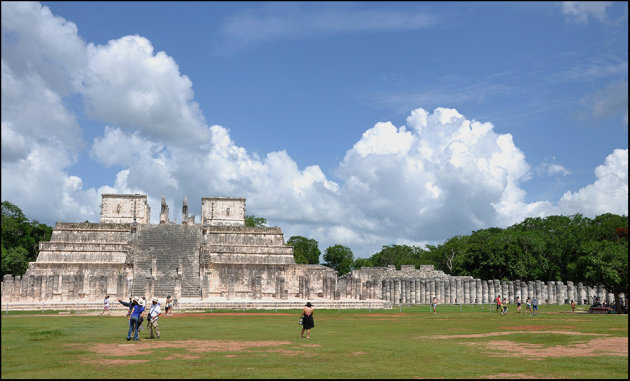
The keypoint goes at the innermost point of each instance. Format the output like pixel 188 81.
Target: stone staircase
pixel 175 249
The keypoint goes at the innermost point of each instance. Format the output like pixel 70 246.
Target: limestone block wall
pixel 125 208
pixel 219 211
pixel 90 282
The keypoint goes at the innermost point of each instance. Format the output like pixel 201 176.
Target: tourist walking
pixel 307 320
pixel 535 306
pixel 572 306
pixel 152 320
pixel 528 306
pixel 498 302
pixel 106 306
pixel 434 305
pixel 134 318
pixel 504 306
pixel 169 306
pixel 518 304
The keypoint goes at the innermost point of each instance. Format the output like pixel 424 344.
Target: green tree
pixel 604 263
pixel 398 255
pixel 253 221
pixel 20 239
pixel 305 250
pixel 362 262
pixel 14 260
pixel 339 258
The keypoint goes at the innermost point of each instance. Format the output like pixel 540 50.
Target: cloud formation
pixel 581 11
pixel 438 175
pixel 302 20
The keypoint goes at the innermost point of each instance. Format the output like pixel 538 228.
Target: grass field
pixel 401 343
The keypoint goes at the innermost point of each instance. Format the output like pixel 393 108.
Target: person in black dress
pixel 307 320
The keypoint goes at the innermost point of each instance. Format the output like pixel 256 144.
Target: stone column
pixel 497 289
pixel 527 290
pixel 431 290
pixel 539 292
pixel 17 286
pixel 581 294
pixel 505 290
pixel 404 291
pixel 479 296
pixel 426 291
pixel 561 292
pixel 452 286
pixel 442 291
pixel 412 291
pixel 8 285
pixel 459 289
pixel 148 287
pixel 511 292
pixel 397 291
pixel 484 291
pixel 466 291
pixel 551 292
pixel 418 289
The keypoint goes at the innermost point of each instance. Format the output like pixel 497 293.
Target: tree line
pixel 553 248
pixel 20 239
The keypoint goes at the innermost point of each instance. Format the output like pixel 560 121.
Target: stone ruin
pixel 221 258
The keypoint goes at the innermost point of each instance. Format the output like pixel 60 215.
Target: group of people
pixel 531 305
pixel 136 314
pixel 138 310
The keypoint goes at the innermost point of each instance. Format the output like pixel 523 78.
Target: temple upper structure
pixel 125 208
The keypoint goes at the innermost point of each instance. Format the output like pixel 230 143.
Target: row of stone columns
pixel 471 291
pixel 60 287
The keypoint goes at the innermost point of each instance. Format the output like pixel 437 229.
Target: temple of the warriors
pixel 219 257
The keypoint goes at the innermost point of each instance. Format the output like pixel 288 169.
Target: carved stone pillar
pixel 459 290
pixel 580 294
pixel 412 291
pixel 466 287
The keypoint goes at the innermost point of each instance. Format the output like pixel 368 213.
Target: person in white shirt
pixel 106 306
pixel 152 320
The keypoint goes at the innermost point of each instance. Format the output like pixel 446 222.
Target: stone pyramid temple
pixel 221 258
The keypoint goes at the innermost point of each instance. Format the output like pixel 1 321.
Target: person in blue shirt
pixel 134 319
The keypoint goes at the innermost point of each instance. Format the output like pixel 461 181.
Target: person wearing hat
pixel 152 320
pixel 134 319
pixel 307 320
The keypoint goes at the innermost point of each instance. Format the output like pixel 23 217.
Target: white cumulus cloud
pixel 439 175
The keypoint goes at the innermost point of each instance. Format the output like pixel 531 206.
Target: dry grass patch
pixel 609 346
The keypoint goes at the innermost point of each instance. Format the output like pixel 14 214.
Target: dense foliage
pixel 554 248
pixel 305 250
pixel 339 258
pixel 253 221
pixel 20 239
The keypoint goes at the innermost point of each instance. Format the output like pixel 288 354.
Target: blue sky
pixel 362 123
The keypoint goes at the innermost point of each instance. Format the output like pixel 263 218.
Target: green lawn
pixel 471 343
